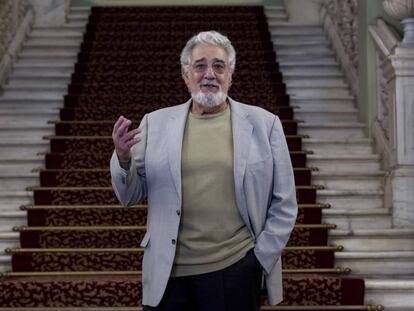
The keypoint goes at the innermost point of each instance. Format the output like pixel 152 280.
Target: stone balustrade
pixel 393 129
pixel 340 20
pixel 16 17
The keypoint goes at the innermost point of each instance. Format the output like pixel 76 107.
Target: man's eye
pixel 200 67
pixel 218 67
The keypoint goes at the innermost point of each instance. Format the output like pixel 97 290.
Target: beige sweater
pixel 212 235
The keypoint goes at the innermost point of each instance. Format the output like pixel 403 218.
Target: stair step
pixel 394 294
pixel 25 168
pixel 345 163
pixel 22 149
pixel 19 181
pixel 372 240
pixel 22 131
pixel 352 180
pixel 339 131
pixel 42 72
pixel 304 54
pixel 317 70
pixel 11 200
pixel 358 218
pixel 378 264
pixel 322 116
pixel 29 96
pixel 44 51
pixel 5 263
pixel 329 146
pixel 294 82
pixel 61 42
pixel 9 219
pixel 8 239
pixel 281 29
pixel 291 49
pixel 36 62
pixel 319 91
pixel 349 199
pixel 324 103
pixel 45 55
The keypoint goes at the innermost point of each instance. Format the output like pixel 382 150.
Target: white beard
pixel 209 100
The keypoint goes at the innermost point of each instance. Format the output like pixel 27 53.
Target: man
pixel 220 189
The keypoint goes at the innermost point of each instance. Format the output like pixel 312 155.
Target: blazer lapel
pixel 176 128
pixel 242 134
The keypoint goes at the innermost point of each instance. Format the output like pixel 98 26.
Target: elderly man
pixel 220 189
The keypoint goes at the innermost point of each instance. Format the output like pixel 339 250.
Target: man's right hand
pixel 124 140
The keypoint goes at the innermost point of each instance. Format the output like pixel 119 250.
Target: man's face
pixel 209 73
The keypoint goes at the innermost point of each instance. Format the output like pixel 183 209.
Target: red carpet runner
pixel 129 65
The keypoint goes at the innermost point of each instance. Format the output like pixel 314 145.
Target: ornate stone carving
pixel 12 13
pixel 344 16
pixel 402 10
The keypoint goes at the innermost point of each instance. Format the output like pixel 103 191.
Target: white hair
pixel 208 38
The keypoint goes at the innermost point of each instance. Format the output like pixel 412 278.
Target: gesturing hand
pixel 124 140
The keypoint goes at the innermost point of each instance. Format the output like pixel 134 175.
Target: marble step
pixel 20 180
pixel 19 104
pixel 81 9
pixel 5 262
pixel 378 264
pixel 303 54
pixel 373 240
pixel 320 91
pixel 303 49
pixel 45 84
pixel 300 69
pixel 295 82
pixel 28 96
pixel 354 219
pixel 42 72
pixel 56 33
pixel 9 219
pixel 307 40
pixel 325 104
pixel 8 239
pixel 325 117
pixel 27 167
pixel 22 149
pixel 49 50
pixel 29 66
pixel 337 130
pixel 351 180
pixel 12 200
pixel 36 42
pixel 280 29
pixel 41 62
pixel 44 55
pixel 77 26
pixel 276 17
pixel 352 199
pixel 39 87
pixel 394 294
pixel 308 74
pixel 32 117
pixel 345 163
pixel 22 131
pixel 309 63
pixel 362 146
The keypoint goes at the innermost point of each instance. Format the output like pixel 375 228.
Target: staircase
pixel 347 166
pixel 31 98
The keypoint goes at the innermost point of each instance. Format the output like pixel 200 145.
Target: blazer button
pixel 173 241
pixel 178 212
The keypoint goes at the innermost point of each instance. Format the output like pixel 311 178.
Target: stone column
pixel 402 173
pixel 401 179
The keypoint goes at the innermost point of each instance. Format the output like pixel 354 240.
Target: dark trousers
pixel 235 288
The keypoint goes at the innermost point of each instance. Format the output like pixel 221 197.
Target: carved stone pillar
pixel 400 122
pixel 402 175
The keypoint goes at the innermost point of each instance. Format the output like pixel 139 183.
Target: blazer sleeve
pixel 130 185
pixel 282 210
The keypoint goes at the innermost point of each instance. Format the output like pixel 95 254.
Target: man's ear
pixel 184 74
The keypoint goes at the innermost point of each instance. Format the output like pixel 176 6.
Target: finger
pixel 132 142
pixel 118 124
pixel 132 133
pixel 123 128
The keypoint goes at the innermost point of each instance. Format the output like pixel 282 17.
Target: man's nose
pixel 210 74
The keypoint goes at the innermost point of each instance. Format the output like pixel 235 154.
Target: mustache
pixel 209 83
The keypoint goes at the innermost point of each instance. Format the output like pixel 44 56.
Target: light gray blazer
pixel 264 188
